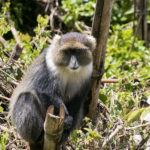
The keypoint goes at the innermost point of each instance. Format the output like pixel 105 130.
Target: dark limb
pixel 29 118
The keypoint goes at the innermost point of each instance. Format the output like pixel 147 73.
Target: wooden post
pixel 53 129
pixel 141 11
pixel 100 29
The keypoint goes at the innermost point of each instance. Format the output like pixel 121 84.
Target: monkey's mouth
pixel 74 69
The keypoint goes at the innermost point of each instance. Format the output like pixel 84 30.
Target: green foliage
pixel 4 25
pixel 3 140
pixel 120 55
pixel 145 112
pixel 89 137
pixel 31 45
pixel 130 64
pixel 24 14
pixel 77 10
pixel 122 11
pixel 139 113
pixel 1 108
pixel 133 115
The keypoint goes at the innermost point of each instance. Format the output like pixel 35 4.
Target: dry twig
pixel 119 127
pixel 15 81
pixel 5 129
pixel 109 80
pixel 4 97
pixel 138 126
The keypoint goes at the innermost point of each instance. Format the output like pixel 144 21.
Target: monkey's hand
pixel 68 122
pixel 68 119
pixel 67 128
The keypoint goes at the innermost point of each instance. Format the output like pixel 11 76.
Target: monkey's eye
pixel 67 52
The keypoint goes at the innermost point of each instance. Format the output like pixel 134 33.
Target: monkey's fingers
pixel 68 122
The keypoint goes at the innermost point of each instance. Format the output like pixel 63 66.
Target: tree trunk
pixel 100 29
pixel 141 11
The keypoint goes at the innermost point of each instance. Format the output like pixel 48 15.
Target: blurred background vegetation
pixel 26 27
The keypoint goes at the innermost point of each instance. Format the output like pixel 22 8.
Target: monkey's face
pixel 74 52
pixel 73 59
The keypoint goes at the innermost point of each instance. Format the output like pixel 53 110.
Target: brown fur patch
pixel 74 45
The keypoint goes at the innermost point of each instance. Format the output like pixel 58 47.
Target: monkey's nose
pixel 74 65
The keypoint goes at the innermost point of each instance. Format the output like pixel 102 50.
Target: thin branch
pixel 138 126
pixel 18 47
pixel 4 113
pixel 144 140
pixel 5 129
pixel 109 80
pixel 4 97
pixel 53 10
pixel 119 127
pixel 15 34
pixel 7 146
pixel 8 75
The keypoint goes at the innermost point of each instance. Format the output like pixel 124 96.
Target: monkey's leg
pixel 28 118
pixel 36 146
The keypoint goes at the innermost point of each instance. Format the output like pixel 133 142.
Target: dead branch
pixel 4 97
pixel 53 128
pixel 119 127
pixel 109 80
pixel 53 10
pixel 5 129
pixel 15 34
pixel 4 89
pixel 138 126
pixel 142 142
pixel 15 81
pixel 17 51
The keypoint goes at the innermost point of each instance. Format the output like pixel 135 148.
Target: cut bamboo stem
pixel 53 128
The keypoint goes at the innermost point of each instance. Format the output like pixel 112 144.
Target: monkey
pixel 61 75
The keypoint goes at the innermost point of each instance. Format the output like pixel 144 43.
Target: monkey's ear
pixel 92 41
pixel 56 38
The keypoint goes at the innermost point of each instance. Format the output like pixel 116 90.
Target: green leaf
pixel 145 114
pixel 1 109
pixel 133 115
pixel 103 98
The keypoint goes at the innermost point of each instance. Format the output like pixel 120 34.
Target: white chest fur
pixel 72 81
